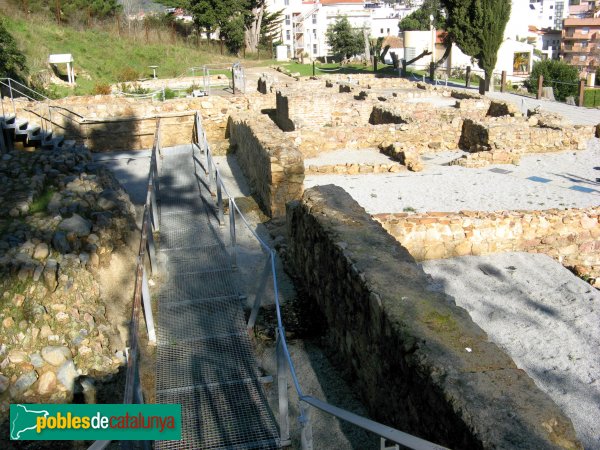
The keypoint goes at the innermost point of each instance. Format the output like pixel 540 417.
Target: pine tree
pixel 344 40
pixel 420 19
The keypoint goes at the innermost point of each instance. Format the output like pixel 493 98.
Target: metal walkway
pixel 205 359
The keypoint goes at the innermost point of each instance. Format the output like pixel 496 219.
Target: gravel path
pixel 547 320
pixel 455 188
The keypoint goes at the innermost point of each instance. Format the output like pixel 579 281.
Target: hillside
pixel 103 52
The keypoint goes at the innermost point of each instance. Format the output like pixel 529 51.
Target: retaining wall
pixel 571 236
pixel 419 362
pixel 273 166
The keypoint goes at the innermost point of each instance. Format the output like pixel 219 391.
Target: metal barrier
pixel 284 359
pixel 141 295
pixel 17 90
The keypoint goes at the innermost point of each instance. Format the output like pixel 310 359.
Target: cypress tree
pixel 477 28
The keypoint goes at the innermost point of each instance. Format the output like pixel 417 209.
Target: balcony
pixel 570 35
pixel 578 49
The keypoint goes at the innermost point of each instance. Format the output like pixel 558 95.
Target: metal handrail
pixel 146 252
pixel 283 354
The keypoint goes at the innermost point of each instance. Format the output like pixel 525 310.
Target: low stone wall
pixel 419 362
pixel 305 110
pixel 271 163
pixel 106 123
pixel 524 135
pixel 571 236
pixel 354 168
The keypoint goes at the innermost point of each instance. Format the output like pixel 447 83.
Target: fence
pixel 141 295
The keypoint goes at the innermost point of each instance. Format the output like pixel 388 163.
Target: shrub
pixel 102 89
pixel 169 94
pixel 563 78
pixel 128 74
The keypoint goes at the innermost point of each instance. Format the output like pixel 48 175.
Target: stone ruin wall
pixel 301 111
pixel 128 124
pixel 571 236
pixel 271 163
pixel 405 345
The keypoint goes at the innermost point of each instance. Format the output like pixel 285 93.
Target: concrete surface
pixel 543 316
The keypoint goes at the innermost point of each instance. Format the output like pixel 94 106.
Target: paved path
pixel 205 359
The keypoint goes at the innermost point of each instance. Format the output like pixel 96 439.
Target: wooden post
pixel 233 80
pixel 403 67
pixel 468 80
pixel 540 87
pixel 503 81
pixel 431 70
pixel 581 92
pixel 313 68
pixel 374 63
pixel 58 11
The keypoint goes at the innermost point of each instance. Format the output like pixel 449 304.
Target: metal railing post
pixel 220 200
pixel 155 216
pixel 306 437
pixel 282 388
pixel 232 232
pixel 148 310
pixel 209 164
pixel 12 97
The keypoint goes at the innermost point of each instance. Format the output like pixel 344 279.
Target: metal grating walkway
pixel 204 356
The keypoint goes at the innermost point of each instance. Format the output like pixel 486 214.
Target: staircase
pixel 16 130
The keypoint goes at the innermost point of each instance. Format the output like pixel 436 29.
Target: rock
pixel 37 360
pixel 17 356
pixel 62 317
pixel 60 243
pixel 46 383
pixel 25 381
pixel 41 251
pixel 76 224
pixel 4 382
pixel 18 300
pixel 45 331
pixel 8 322
pixel 67 374
pixel 107 200
pixel 49 274
pixel 56 355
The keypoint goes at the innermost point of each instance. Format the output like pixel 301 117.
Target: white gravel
pixel 543 316
pixel 454 188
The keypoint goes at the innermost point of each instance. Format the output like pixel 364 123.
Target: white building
pixel 306 22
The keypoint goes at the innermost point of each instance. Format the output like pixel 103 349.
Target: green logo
pixel 95 422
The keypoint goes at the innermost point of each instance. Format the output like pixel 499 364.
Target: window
pixel 287 20
pixel 315 33
pixel 585 30
pixel 286 2
pixel 584 44
pixel 388 31
pixel 582 58
pixel 381 31
pixel 315 49
pixel 314 19
pixel 287 35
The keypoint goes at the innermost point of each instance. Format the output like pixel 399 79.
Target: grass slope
pixel 101 54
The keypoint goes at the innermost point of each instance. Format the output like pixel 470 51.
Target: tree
pixel 253 24
pixel 233 33
pixel 12 61
pixel 344 40
pixel 421 18
pixel 563 78
pixel 477 28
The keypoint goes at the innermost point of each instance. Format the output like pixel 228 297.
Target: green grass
pixel 41 203
pixel 305 70
pixel 591 98
pixel 101 54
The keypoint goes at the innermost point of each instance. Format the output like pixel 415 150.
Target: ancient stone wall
pixel 523 135
pixel 105 123
pixel 419 362
pixel 571 236
pixel 298 111
pixel 271 163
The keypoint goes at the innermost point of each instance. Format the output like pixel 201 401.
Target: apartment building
pixel 306 22
pixel 580 43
